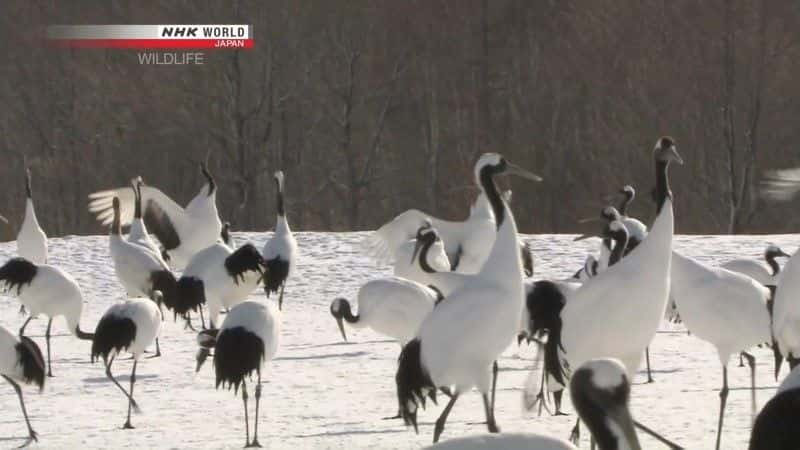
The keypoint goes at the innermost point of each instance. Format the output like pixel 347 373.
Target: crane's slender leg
pixel 437 430
pixel 32 436
pixel 25 324
pixel 557 399
pixel 114 380
pixel 647 358
pixel 741 362
pixel 22 310
pixel 575 435
pixel 47 340
pixel 280 297
pixel 751 362
pixel 246 422
pixel 490 422
pixel 202 319
pixel 188 318
pixel 254 442
pixel 541 397
pixel 723 397
pixel 494 384
pixel 128 425
pixel 158 351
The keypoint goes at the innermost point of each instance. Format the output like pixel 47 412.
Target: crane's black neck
pixel 137 209
pixel 28 190
pixel 82 335
pixel 116 228
pixel 281 211
pixel 633 242
pixel 423 256
pixel 620 242
pixel 493 194
pixel 662 185
pixel 212 185
pixel 225 233
pixel 592 410
pixel 776 268
pixel 346 313
pixel 623 207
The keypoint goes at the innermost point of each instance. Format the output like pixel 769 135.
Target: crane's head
pixel 212 186
pixel 666 152
pixel 773 251
pixel 339 309
pixel 426 236
pixel 495 164
pixel 600 392
pixel 628 191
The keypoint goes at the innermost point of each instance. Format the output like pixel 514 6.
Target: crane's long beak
pixel 4 220
pixel 624 421
pixel 590 219
pixel 202 354
pixel 341 328
pixel 513 169
pixel 780 252
pixel 585 236
pixel 672 155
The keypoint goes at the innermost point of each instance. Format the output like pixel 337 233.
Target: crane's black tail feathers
pixel 245 259
pixel 277 272
pixel 16 273
pixel 237 353
pixel 165 281
pixel 30 358
pixel 544 304
pixel 190 295
pixel 113 334
pixel 413 383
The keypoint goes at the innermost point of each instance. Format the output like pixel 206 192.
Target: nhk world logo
pixel 153 40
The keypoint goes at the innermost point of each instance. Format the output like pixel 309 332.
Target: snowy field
pixel 323 393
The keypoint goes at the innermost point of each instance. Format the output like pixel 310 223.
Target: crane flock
pixel 459 294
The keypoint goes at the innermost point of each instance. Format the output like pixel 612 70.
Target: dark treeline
pixel 375 106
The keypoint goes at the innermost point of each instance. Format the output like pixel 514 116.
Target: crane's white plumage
pixel 630 296
pixel 141 312
pixel 247 339
pixel 138 231
pixel 181 231
pixel 467 243
pixel 31 240
pixel 768 274
pixel 457 344
pixel 725 308
pixel 130 326
pixel 139 270
pixel 21 362
pixel 786 311
pixel 393 307
pixel 419 257
pixel 280 252
pixel 220 278
pixel 714 301
pixel 617 312
pixel 44 290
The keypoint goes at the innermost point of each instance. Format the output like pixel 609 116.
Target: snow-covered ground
pixel 323 393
